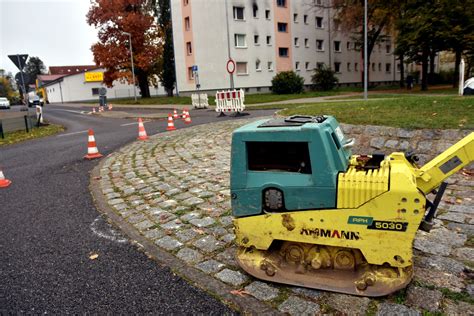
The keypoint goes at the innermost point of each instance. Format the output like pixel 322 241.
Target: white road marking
pixel 109 234
pixel 127 124
pixel 72 111
pixel 73 133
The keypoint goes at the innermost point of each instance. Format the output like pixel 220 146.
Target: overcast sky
pixel 56 31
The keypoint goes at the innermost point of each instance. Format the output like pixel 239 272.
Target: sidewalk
pixel 171 196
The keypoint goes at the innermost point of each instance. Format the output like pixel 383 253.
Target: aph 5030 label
pixel 387 225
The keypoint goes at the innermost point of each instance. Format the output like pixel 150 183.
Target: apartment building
pixel 264 37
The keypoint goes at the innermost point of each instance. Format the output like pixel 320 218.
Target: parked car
pixel 4 103
pixel 34 101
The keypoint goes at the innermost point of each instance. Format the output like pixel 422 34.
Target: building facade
pixel 85 85
pixel 264 37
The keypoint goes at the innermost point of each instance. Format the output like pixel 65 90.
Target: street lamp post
pixel 133 67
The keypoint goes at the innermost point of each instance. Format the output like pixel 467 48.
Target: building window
pixel 349 67
pixel 241 68
pixel 337 46
pixel 187 23
pixel 320 65
pixel 388 67
pixel 318 2
pixel 305 19
pixel 267 14
pixel 388 48
pixel 380 66
pixel 319 22
pixel 95 91
pixel 348 46
pixel 356 67
pixel 283 51
pixel 269 40
pixel 190 73
pixel 189 48
pixel 239 13
pixel 270 66
pixel 306 65
pixel 337 67
pixel 373 66
pixel 281 3
pixel 257 65
pixel 256 40
pixel 319 45
pixel 297 66
pixel 282 27
pixel 306 42
pixel 398 67
pixel 297 41
pixel 357 46
pixel 240 40
pixel 255 10
pixel 295 17
pixel 185 2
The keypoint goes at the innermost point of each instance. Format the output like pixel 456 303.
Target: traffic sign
pixel 230 66
pixel 195 68
pixel 19 60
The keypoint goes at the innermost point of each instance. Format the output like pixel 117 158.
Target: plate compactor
pixel 309 213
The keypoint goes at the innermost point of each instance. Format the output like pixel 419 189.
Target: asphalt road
pixel 50 227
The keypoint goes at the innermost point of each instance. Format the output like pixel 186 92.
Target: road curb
pixel 243 304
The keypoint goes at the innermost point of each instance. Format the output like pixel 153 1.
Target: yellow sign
pixel 93 76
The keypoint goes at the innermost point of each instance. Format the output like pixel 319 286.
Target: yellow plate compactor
pixel 309 213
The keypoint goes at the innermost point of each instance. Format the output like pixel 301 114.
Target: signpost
pixel 231 69
pixel 20 62
pixel 196 80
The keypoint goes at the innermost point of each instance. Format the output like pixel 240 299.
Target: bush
pixel 287 82
pixel 324 78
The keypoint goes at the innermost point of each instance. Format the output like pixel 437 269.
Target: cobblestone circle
pixel 174 189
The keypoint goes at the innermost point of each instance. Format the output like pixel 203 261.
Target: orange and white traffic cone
pixel 187 120
pixel 170 123
pixel 141 130
pixel 92 151
pixel 4 182
pixel 110 107
pixel 183 115
pixel 175 114
pixel 93 110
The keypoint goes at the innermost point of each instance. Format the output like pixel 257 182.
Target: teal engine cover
pixel 287 164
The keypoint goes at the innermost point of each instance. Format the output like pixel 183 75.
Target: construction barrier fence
pixel 230 101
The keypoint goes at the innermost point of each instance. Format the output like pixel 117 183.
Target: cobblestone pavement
pixel 174 190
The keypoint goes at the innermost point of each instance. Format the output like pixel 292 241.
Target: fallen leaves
pixel 240 292
pixel 93 256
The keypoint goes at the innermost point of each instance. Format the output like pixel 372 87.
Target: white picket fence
pixel 230 101
pixel 200 101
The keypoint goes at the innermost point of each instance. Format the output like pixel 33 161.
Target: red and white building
pixel 264 37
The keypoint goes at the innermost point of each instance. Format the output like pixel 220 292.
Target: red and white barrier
pixel 230 101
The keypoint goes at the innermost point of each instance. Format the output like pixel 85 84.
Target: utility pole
pixel 133 67
pixel 365 51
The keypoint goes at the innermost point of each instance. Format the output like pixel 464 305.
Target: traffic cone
pixel 170 123
pixel 110 107
pixel 93 110
pixel 175 114
pixel 4 182
pixel 183 115
pixel 92 151
pixel 187 120
pixel 141 130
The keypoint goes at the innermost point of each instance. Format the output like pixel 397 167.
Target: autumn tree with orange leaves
pixel 114 17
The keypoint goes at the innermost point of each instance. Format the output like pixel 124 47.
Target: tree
pixel 114 17
pixel 380 16
pixel 166 66
pixel 34 67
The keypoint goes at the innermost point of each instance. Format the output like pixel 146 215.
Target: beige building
pixel 264 37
